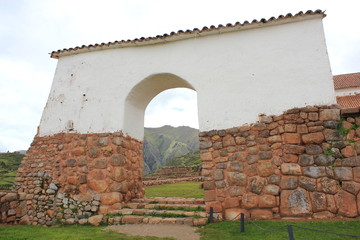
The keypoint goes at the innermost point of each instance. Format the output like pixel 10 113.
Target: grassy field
pixel 9 163
pixel 231 230
pixel 214 231
pixel 7 178
pixel 184 189
pixel 73 232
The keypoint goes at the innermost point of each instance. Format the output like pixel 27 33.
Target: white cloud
pixel 175 107
pixel 23 93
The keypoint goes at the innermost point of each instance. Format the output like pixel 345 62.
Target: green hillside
pixel 189 159
pixel 9 163
pixel 165 143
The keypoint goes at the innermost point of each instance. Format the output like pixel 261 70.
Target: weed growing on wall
pixel 345 136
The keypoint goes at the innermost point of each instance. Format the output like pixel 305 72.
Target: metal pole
pixel 211 217
pixel 290 232
pixel 242 222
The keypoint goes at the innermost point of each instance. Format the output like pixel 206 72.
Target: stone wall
pixel 45 209
pixel 13 208
pixel 73 176
pixel 302 163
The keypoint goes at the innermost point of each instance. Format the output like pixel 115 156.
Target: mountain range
pixel 165 143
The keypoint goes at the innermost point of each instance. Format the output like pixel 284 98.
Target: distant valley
pixel 166 143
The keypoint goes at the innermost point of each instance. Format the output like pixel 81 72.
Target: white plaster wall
pixel 236 75
pixel 347 91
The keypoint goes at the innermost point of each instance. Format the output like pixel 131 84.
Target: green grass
pixel 214 231
pixel 9 163
pixel 184 189
pixel 73 232
pixel 8 178
pixel 231 230
pixel 189 159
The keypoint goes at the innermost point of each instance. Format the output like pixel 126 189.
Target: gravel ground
pixel 180 232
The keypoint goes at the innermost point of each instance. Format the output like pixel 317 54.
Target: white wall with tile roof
pixel 237 76
pixel 347 91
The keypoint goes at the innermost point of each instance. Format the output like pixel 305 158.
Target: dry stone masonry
pixel 13 208
pixel 67 176
pixel 302 163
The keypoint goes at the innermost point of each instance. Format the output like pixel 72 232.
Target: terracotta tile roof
pixel 179 35
pixel 350 101
pixel 347 80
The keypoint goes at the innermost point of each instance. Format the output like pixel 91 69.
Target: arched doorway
pixel 141 95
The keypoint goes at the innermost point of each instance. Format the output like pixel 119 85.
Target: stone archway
pixel 141 95
pixel 88 146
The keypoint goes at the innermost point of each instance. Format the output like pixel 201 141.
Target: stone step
pixel 130 219
pixel 135 205
pixel 169 200
pixel 138 211
pixel 129 211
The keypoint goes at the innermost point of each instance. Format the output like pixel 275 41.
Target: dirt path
pixel 180 232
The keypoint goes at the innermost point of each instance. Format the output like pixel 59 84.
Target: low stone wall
pixel 148 183
pixel 167 172
pixel 45 209
pixel 73 176
pixel 302 163
pixel 13 208
pixel 173 174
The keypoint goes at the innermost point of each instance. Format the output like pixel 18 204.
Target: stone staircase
pixel 190 211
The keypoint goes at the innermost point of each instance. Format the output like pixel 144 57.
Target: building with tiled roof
pixel 191 33
pixel 277 69
pixel 350 101
pixel 346 82
pixel 235 68
pixel 347 90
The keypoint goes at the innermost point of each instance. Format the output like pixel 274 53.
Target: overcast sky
pixel 30 29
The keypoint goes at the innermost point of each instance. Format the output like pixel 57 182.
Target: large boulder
pixel 234 213
pixel 95 220
pixel 346 202
pixel 110 198
pixel 295 203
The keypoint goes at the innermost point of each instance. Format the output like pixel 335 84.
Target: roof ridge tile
pixel 56 54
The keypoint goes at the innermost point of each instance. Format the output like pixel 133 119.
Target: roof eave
pixel 189 34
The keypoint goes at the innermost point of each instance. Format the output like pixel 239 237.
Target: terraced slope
pixel 165 143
